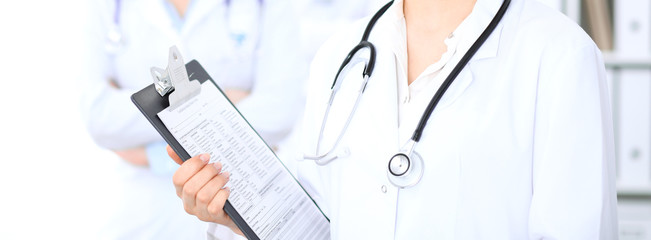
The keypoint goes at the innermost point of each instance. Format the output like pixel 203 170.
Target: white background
pixel 54 182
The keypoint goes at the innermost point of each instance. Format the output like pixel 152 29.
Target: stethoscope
pixel 114 39
pixel 406 167
pixel 240 28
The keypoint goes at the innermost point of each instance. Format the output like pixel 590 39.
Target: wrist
pixel 235 229
pixel 159 162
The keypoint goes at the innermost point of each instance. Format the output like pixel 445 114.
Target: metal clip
pixel 175 77
pixel 162 81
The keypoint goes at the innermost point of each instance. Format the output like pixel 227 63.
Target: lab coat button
pixel 345 152
pixel 384 188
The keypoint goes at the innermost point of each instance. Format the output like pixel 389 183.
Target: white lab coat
pixel 520 146
pixel 272 70
pixel 147 207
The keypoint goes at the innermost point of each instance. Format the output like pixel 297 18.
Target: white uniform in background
pixel 519 147
pixel 243 44
pixel 319 19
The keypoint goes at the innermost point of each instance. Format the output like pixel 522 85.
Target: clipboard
pixel 150 103
pixel 172 87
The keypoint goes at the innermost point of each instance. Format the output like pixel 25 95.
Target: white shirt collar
pixel 454 44
pixel 428 82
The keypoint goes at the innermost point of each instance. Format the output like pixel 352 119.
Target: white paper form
pixel 263 191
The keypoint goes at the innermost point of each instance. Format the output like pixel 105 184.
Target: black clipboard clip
pixel 175 79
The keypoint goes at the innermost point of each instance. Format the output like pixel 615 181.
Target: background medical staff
pixel 519 147
pixel 247 46
pixel 319 19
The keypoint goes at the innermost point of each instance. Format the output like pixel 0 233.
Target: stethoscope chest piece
pixel 405 169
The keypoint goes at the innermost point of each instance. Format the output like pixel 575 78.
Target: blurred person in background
pixel 319 19
pixel 248 48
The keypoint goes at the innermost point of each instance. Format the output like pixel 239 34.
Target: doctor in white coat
pixel 520 146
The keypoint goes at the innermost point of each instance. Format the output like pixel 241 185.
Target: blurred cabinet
pixel 632 28
pixel 629 67
pixel 631 92
pixel 635 225
pixel 571 8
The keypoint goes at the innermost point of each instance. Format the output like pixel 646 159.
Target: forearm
pixel 113 121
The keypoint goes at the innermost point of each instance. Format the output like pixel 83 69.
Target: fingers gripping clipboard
pixel 266 201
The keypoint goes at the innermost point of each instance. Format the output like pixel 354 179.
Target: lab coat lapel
pixel 385 90
pixel 199 11
pixel 384 95
pixel 486 11
pixel 158 14
pixel 196 13
pixel 378 110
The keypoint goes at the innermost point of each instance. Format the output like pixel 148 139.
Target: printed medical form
pixel 263 191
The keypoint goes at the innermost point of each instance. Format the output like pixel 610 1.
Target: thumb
pixel 173 155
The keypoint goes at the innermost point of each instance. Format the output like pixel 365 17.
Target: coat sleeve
pixel 276 98
pixel 111 118
pixel 574 160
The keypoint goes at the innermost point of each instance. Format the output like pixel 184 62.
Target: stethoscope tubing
pixel 457 69
pixel 322 159
pixel 405 178
pixel 368 71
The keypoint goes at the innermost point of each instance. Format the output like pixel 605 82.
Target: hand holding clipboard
pixel 266 201
pixel 206 203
